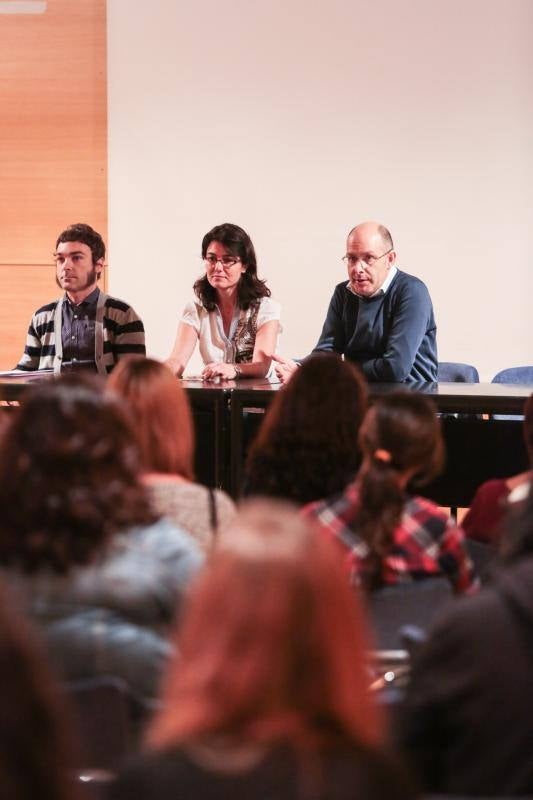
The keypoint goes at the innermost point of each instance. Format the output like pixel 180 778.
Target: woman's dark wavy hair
pixel 68 476
pixel 36 750
pixel 306 448
pixel 250 288
pixel 404 426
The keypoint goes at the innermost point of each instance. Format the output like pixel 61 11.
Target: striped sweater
pixel 118 332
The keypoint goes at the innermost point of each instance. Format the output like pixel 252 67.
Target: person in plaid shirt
pixel 389 536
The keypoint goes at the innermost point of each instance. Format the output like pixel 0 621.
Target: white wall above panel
pixel 298 118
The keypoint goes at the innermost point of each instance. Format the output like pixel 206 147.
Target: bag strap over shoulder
pixel 213 513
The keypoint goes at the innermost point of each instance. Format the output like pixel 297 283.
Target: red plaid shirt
pixel 426 543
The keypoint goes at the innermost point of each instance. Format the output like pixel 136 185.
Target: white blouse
pixel 238 346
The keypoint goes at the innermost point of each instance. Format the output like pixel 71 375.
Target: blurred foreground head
pixel 272 644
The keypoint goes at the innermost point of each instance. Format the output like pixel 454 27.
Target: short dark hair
pixel 69 476
pixel 80 232
pixel 307 446
pixel 250 288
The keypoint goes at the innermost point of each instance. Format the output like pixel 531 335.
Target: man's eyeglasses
pixel 226 261
pixel 367 260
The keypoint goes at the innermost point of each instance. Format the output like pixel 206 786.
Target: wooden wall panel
pixel 34 287
pixel 53 147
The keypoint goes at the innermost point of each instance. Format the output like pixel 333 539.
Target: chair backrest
pixel 523 375
pixel 102 713
pixel 482 555
pixel 455 372
pixel 394 607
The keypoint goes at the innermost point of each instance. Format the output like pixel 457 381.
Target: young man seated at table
pixel 85 329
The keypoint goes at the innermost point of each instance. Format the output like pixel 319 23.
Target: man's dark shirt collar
pixel 89 301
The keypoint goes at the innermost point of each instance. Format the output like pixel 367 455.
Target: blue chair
pixel 455 372
pixel 522 375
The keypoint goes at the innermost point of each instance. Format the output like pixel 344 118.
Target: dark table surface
pixel 480 398
pixel 477 449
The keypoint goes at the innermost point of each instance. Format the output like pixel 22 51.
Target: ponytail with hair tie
pixel 382 455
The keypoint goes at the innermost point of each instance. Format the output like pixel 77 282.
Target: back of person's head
pixel 307 446
pixel 81 232
pixel 69 472
pixel 272 644
pixel 160 408
pixel 401 442
pixel 35 746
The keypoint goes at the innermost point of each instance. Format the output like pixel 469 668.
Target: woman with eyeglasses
pixel 232 317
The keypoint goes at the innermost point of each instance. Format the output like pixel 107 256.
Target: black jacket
pixel 468 725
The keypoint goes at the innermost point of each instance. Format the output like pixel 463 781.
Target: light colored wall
pixel 298 118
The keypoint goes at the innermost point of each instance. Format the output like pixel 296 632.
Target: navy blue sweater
pixel 391 337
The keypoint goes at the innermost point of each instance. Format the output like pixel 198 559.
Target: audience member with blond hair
pixel 389 535
pixel 164 431
pixel 269 696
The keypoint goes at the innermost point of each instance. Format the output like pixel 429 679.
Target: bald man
pixel 381 318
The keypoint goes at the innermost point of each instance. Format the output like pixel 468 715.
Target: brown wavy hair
pixel 163 420
pixel 250 288
pixel 401 434
pixel 69 470
pixel 272 646
pixel 36 749
pixel 81 232
pixel 307 446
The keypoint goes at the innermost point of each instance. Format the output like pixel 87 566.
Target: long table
pixel 479 446
pixel 228 414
